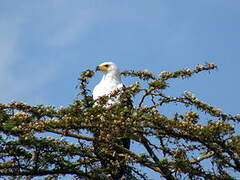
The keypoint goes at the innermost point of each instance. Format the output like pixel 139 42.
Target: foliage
pixel 50 142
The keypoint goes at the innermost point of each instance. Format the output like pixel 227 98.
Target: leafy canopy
pixel 51 142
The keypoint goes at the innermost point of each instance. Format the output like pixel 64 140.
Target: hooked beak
pixel 97 68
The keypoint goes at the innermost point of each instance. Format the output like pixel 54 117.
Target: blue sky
pixel 44 45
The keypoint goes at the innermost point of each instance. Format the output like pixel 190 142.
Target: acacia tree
pixel 50 142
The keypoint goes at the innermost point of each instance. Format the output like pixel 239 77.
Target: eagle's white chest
pixel 105 87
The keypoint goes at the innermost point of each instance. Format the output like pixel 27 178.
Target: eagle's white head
pixel 107 67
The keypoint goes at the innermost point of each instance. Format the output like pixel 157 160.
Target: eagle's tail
pixel 124 171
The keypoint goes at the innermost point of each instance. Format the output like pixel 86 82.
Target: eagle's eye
pixel 106 65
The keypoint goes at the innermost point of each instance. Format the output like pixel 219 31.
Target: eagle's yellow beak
pixel 102 67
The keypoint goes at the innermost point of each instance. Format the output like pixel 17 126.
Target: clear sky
pixel 44 45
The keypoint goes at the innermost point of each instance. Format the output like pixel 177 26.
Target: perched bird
pixel 110 82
